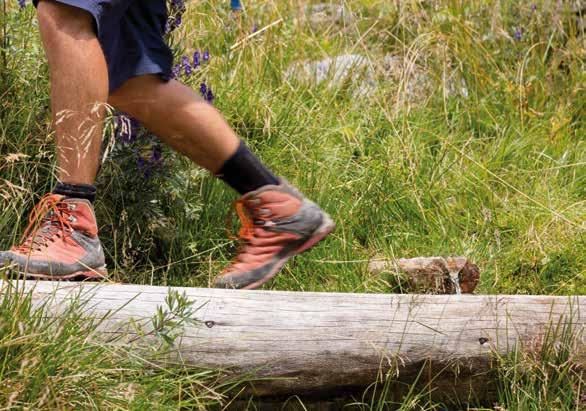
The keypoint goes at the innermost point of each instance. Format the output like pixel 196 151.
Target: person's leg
pixel 190 125
pixel 278 222
pixel 79 88
pixel 62 240
pixel 180 117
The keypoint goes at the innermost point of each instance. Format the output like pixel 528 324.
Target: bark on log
pixel 438 275
pixel 307 342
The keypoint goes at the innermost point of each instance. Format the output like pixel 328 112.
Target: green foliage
pixel 543 377
pixel 59 362
pixel 495 172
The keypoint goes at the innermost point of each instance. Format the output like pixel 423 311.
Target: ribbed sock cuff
pixel 85 191
pixel 244 172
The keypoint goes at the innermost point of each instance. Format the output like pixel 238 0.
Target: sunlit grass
pixel 497 173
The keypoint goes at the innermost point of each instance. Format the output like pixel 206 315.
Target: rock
pixel 325 15
pixel 439 275
pixel 352 69
pixel 414 80
pixel 409 81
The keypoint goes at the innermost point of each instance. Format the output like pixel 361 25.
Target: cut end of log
pixel 439 275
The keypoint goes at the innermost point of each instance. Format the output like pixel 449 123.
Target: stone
pixel 326 15
pixel 353 69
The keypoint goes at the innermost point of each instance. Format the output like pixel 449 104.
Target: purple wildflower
pixel 148 163
pixel 143 167
pixel 157 154
pixel 196 59
pixel 254 28
pixel 207 93
pixel 176 10
pixel 22 3
pixel 209 96
pixel 206 55
pixel 533 7
pixel 186 65
pixel 176 70
pixel 518 34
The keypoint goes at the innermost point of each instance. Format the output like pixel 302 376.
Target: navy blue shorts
pixel 131 34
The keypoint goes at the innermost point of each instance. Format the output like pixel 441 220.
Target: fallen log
pixel 304 342
pixel 438 275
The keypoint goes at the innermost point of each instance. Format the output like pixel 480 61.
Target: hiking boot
pixel 60 243
pixel 277 224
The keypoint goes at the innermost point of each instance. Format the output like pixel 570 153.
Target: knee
pixel 55 17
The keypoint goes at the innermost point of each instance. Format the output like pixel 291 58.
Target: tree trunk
pixel 304 342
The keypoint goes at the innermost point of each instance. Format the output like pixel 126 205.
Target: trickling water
pixel 455 278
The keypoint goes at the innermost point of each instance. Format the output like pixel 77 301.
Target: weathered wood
pixel 439 275
pixel 319 342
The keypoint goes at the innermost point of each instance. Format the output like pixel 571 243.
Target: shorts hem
pixel 145 70
pixel 90 7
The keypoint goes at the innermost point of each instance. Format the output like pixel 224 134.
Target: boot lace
pixel 246 232
pixel 49 219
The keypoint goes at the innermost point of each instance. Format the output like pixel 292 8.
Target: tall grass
pixel 495 172
pixel 51 362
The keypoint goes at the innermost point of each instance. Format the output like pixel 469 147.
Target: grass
pixel 496 173
pixel 61 362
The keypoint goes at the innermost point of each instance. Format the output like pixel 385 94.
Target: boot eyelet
pixel 72 219
pixel 72 206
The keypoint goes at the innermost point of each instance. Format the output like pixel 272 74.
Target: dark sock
pixel 85 191
pixel 244 172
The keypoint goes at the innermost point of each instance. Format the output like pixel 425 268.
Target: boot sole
pixel 318 235
pixel 92 274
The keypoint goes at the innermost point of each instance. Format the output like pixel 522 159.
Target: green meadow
pixel 459 129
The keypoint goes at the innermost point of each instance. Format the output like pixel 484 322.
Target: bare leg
pixel 278 221
pixel 180 117
pixel 79 88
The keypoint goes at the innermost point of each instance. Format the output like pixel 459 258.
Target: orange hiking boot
pixel 60 243
pixel 277 224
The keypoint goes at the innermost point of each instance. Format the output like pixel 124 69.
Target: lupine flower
pixel 206 55
pixel 157 154
pixel 22 3
pixel 176 70
pixel 518 34
pixel 186 65
pixel 177 5
pixel 175 12
pixel 254 28
pixel 147 163
pixel 207 93
pixel 533 7
pixel 143 167
pixel 209 96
